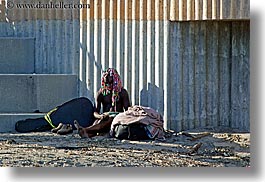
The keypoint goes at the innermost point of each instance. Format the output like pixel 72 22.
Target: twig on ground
pixel 195 148
pixel 200 136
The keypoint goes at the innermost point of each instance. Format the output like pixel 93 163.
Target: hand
pixel 105 115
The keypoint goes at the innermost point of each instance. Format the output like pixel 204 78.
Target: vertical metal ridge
pixel 128 47
pixel 142 54
pixel 111 35
pixel 224 78
pixel 166 66
pixel 150 74
pixel 105 35
pixel 172 10
pixel 96 54
pixel 120 38
pixel 135 55
pixel 90 59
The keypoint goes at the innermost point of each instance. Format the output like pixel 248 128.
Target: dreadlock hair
pixel 113 88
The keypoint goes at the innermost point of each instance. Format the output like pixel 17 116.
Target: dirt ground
pixel 205 148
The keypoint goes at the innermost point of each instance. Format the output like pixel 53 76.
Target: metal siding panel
pixel 190 73
pixel 104 34
pixel 188 76
pixel 235 85
pixel 150 38
pixel 212 74
pixel 198 9
pixel 166 67
pixel 158 42
pixel 177 10
pixel 177 77
pixel 44 37
pixel 224 72
pixel 143 97
pixel 112 43
pixel 159 62
pixel 104 44
pixel 182 10
pixel 215 49
pixel 246 75
pixel 189 9
pixel 112 34
pixel 226 9
pixel 97 56
pixel 38 49
pixel 135 55
pixel 200 74
pixel 215 9
pixel 66 43
pixel 172 9
pixel 83 59
pixel 204 9
pixel 90 58
pixel 76 45
pixel 217 3
pixel 120 38
pixel 61 45
pixel 245 9
pixel 127 47
pixel 128 57
pixel 50 46
pixel 186 73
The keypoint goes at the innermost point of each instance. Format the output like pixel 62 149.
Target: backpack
pixel 136 131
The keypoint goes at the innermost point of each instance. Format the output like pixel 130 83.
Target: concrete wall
pixel 8 120
pixel 28 93
pixel 16 55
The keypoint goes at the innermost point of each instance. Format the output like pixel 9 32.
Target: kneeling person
pixel 113 98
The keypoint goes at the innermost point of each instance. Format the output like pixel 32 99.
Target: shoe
pixel 66 129
pixel 54 130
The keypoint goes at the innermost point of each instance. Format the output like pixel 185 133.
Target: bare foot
pixel 82 131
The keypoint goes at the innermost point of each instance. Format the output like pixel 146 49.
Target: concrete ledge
pixel 26 93
pixel 8 120
pixel 16 55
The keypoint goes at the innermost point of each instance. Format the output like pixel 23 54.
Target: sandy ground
pixel 205 148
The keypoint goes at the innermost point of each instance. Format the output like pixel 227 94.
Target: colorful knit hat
pixel 116 86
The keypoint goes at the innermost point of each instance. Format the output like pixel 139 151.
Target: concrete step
pixel 16 55
pixel 8 120
pixel 26 93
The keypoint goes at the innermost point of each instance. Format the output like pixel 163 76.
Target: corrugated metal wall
pixel 143 39
pixel 209 74
pixel 197 90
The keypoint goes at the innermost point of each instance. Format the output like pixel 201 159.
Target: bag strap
pixel 48 118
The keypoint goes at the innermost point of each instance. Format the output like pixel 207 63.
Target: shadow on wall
pixel 152 96
pixel 86 73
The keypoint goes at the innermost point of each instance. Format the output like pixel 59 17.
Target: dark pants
pixel 80 109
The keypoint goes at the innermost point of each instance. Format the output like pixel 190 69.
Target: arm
pixel 126 100
pixel 99 101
